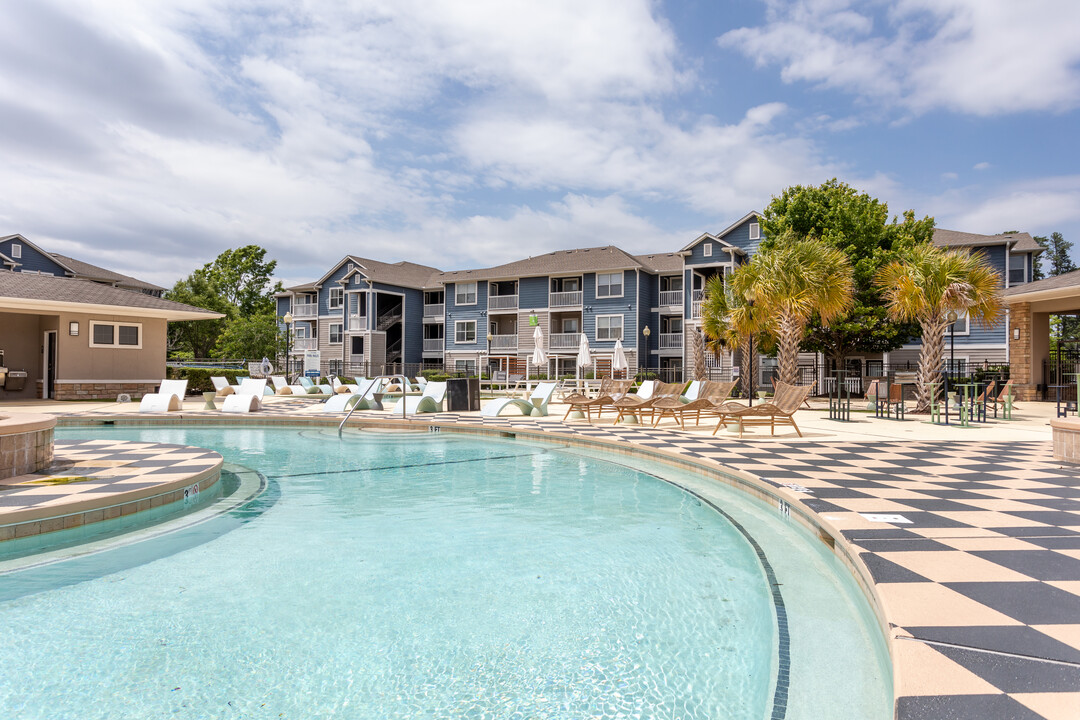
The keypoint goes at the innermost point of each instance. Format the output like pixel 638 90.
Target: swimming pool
pixel 390 576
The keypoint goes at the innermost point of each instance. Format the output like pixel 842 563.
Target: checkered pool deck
pixel 973 547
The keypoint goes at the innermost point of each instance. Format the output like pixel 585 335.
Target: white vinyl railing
pixel 504 342
pixel 564 299
pixel 671 298
pixel 357 322
pixel 433 344
pixel 502 302
pixel 564 341
pixel 434 310
pixel 302 344
pixel 671 341
pixel 305 310
pixel 695 308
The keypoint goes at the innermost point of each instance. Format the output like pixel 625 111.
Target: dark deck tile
pixel 962 707
pixel 1032 603
pixel 1013 674
pixel 1016 639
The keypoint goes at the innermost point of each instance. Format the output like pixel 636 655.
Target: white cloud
pixel 984 57
pixel 981 166
pixel 1037 206
pixel 949 176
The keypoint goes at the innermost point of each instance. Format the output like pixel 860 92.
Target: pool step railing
pixel 404 390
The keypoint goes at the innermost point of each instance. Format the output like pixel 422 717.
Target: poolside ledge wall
pixel 26 444
pixel 1066 439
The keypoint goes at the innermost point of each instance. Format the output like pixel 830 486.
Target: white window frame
pixel 458 294
pixel 962 315
pixel 755 231
pixel 16 251
pixel 609 338
pixel 356 279
pixel 337 293
pixel 302 331
pixel 621 279
pixel 706 249
pixel 116 335
pixel 330 333
pixel 457 325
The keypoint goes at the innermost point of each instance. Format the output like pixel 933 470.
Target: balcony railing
pixel 306 310
pixel 433 345
pixel 434 310
pixel 504 342
pixel 671 298
pixel 564 299
pixel 502 302
pixel 357 322
pixel 695 308
pixel 671 341
pixel 302 344
pixel 564 341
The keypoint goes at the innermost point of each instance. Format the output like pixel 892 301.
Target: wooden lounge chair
pixel 781 410
pixel 638 406
pixel 710 396
pixel 610 391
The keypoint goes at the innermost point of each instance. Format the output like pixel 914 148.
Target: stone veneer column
pixel 1021 352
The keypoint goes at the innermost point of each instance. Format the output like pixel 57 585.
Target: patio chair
pixel 311 388
pixel 781 410
pixel 340 387
pixel 638 405
pixel 339 402
pixel 1006 390
pixel 247 399
pixel 282 386
pixel 712 395
pixel 431 401
pixel 610 391
pixel 536 405
pixel 170 396
pixel 222 386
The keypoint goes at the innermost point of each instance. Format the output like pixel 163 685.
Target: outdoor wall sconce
pixel 73 328
pixel 1016 333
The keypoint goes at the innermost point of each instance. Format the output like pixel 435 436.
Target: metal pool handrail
pixel 404 388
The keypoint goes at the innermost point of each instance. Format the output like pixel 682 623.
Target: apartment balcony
pixel 671 341
pixel 357 323
pixel 565 299
pixel 503 342
pixel 306 310
pixel 502 302
pixel 302 344
pixel 695 307
pixel 671 298
pixel 433 345
pixel 431 311
pixel 564 341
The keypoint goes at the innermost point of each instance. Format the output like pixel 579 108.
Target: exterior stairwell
pixel 388 318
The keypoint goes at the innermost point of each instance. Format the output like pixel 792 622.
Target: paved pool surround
pixel 26 443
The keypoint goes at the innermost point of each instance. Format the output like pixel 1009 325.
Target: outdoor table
pixel 840 404
pixel 209 398
pixel 967 404
pixel 1062 403
pixel 935 406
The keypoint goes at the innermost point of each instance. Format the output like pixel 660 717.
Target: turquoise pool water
pixel 385 576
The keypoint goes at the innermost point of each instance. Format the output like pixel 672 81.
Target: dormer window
pixel 706 250
pixel 755 231
pixel 16 251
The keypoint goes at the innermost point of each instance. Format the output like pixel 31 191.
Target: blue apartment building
pixel 368 317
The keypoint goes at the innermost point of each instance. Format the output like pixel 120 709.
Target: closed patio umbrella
pixel 618 360
pixel 539 358
pixel 584 357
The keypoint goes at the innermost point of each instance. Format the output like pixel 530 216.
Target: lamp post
pixel 951 317
pixel 646 332
pixel 490 337
pixel 288 320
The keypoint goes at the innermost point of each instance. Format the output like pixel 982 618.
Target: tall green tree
pixel 924 286
pixel 243 277
pixel 794 280
pixel 1057 254
pixel 197 337
pixel 858 225
pixel 729 322
pixel 252 337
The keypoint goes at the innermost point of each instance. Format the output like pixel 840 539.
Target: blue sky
pixel 149 137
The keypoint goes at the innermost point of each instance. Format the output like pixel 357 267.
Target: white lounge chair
pixel 247 399
pixel 340 402
pixel 170 396
pixel 340 387
pixel 536 405
pixel 282 386
pixel 431 401
pixel 222 386
pixel 419 382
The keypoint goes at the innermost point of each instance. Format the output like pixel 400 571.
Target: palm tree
pixel 792 281
pixel 925 286
pixel 729 321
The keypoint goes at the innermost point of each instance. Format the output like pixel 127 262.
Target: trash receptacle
pixel 463 395
pixel 16 380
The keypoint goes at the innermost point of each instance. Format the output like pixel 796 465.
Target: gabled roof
pixel 45 293
pixel 401 273
pixel 24 241
pixel 92 272
pixel 662 262
pixel 719 237
pixel 560 262
pixel 1022 242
